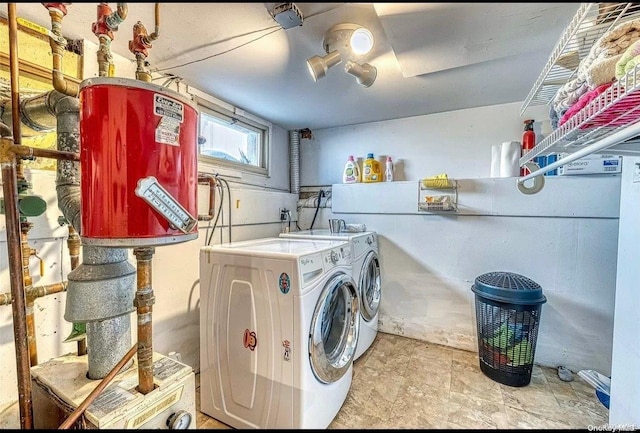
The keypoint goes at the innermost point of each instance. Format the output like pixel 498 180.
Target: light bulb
pixel 361 41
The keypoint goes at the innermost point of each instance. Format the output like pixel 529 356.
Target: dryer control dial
pixel 334 257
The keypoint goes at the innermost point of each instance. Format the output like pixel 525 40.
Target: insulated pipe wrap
pixel 68 172
pixel 102 287
pixel 107 341
pixel 294 161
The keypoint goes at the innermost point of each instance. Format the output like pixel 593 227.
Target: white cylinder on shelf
pixel 495 160
pixel 510 159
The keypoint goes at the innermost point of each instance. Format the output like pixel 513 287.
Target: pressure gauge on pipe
pixel 180 420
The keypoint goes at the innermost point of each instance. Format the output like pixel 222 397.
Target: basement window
pixel 232 140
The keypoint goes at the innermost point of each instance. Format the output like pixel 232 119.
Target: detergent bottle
pixel 371 170
pixel 351 171
pixel 388 172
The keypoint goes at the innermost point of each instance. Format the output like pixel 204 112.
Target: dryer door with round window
pixel 334 329
pixel 369 286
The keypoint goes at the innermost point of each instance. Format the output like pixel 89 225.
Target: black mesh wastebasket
pixel 508 310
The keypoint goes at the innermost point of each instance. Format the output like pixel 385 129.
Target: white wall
pixel 430 262
pixel 457 143
pixel 625 392
pixel 256 202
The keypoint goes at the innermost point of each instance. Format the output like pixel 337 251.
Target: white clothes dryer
pixel 366 273
pixel 278 332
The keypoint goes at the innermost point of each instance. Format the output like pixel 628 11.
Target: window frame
pixel 215 110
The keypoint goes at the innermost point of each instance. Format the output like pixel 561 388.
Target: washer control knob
pixel 334 257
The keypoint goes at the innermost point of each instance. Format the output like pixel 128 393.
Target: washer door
pixel 334 329
pixel 369 285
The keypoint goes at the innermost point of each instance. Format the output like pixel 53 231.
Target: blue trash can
pixel 508 308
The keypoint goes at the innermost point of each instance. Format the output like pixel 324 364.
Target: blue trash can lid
pixel 508 287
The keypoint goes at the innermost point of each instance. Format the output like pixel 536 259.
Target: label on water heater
pixel 159 198
pixel 168 131
pixel 167 107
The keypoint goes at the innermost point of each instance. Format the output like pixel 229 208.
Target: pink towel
pixel 582 102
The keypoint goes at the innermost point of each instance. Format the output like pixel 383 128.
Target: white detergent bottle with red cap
pixel 388 172
pixel 351 171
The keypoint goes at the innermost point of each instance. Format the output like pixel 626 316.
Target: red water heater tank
pixel 138 160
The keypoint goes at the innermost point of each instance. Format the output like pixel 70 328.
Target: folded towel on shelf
pixel 568 94
pixel 628 59
pixel 602 71
pixel 582 102
pixel 611 43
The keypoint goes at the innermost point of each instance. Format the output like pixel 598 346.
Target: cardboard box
pixel 592 164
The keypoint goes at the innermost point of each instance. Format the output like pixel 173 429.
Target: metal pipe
pixel 34 152
pixel 211 181
pixel 144 303
pixel 156 32
pixel 68 172
pixel 12 227
pixel 12 222
pixel 104 56
pixel 57 43
pixel 97 390
pixel 14 71
pixel 141 70
pixel 101 295
pixel 294 161
pixel 73 244
pixel 36 113
pixel 27 252
pixel 117 17
pixel 37 292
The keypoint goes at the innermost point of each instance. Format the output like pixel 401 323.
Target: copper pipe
pixel 10 191
pixel 73 244
pixel 34 152
pixel 27 252
pixel 37 292
pixel 12 223
pixel 98 389
pixel 156 32
pixel 205 179
pixel 14 71
pixel 60 83
pixel 144 303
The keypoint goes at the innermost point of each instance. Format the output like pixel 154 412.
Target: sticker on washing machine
pixel 167 107
pixel 284 282
pixel 249 340
pixel 286 350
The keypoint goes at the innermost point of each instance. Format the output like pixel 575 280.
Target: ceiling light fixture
pixel 318 66
pixel 365 74
pixel 349 42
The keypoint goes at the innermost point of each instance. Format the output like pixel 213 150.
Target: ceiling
pixel 430 57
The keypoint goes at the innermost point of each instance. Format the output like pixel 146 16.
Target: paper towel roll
pixel 510 159
pixel 495 160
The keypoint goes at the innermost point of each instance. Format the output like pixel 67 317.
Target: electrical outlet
pixel 284 213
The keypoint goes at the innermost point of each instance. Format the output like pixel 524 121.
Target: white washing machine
pixel 366 273
pixel 278 332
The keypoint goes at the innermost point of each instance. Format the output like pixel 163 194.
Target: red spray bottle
pixel 528 142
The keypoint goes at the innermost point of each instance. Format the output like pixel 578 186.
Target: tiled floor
pixel 405 383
